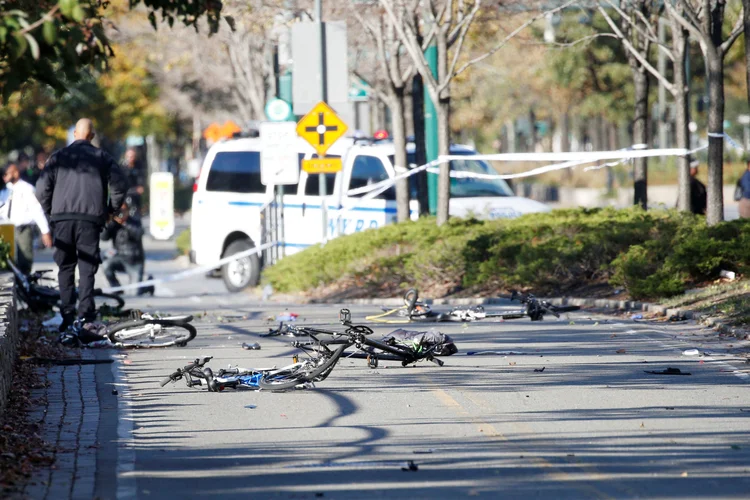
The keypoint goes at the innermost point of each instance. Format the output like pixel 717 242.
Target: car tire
pixel 242 273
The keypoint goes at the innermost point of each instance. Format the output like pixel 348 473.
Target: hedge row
pixel 649 253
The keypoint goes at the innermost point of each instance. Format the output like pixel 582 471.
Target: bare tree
pixel 446 23
pixel 704 20
pixel 248 48
pixel 676 51
pixel 388 78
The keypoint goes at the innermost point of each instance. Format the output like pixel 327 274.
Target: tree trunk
pixel 443 116
pixel 715 211
pixel 640 136
pixel 682 114
pixel 398 122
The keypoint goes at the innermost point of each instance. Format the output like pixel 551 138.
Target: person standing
pixel 24 211
pixel 744 185
pixel 126 233
pixel 136 179
pixel 80 187
pixel 698 195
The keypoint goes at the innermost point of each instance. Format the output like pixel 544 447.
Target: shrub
pixel 183 242
pixel 650 253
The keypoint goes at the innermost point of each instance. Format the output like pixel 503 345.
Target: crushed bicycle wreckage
pixel 416 311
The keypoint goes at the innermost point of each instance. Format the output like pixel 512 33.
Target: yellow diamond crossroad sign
pixel 321 127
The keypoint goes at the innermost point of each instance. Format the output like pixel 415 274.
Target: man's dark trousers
pixel 77 243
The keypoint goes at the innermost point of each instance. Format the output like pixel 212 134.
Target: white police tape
pixel 568 159
pixel 193 271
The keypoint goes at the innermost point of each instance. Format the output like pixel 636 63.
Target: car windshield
pixel 467 187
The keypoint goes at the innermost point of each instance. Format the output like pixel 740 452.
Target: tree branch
pixel 511 35
pixel 735 34
pixel 636 53
pixel 46 17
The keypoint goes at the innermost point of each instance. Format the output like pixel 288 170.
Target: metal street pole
pixel 431 130
pixel 321 42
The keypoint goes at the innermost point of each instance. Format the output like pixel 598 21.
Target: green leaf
pixel 3 33
pixel 33 45
pixel 20 46
pixel 49 32
pixel 67 6
pixel 78 13
pixel 152 19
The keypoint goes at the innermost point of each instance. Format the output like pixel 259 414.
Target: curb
pixel 608 304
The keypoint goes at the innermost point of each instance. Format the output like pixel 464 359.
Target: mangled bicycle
pixel 299 374
pixel 403 346
pixel 415 310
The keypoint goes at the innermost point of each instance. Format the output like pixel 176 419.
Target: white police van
pixel 228 198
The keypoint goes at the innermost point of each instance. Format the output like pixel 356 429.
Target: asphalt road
pixel 593 424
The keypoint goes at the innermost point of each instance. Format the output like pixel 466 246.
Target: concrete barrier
pixel 8 334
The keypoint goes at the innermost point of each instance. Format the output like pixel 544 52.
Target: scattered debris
pixel 287 317
pixel 114 392
pixel 410 466
pixel 691 352
pixel 684 474
pixel 251 407
pixel 729 275
pixel 424 452
pixel 539 370
pixel 621 351
pixel 677 318
pixel 251 347
pixel 636 317
pixel 669 407
pixel 668 371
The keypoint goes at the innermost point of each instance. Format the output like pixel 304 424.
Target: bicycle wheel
pixel 298 374
pixel 325 369
pixel 151 333
pixel 109 301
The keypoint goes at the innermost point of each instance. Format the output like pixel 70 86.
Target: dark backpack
pixel 440 343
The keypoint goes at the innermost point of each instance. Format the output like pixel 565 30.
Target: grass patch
pixel 183 242
pixel 651 254
pixel 730 301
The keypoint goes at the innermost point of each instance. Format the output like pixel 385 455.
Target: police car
pixel 228 200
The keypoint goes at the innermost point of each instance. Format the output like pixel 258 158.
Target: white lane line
pixel 126 482
pixel 164 291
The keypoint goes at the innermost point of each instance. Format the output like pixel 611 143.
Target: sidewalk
pixel 79 421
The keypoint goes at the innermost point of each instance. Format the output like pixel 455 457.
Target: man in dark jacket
pixel 126 233
pixel 73 190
